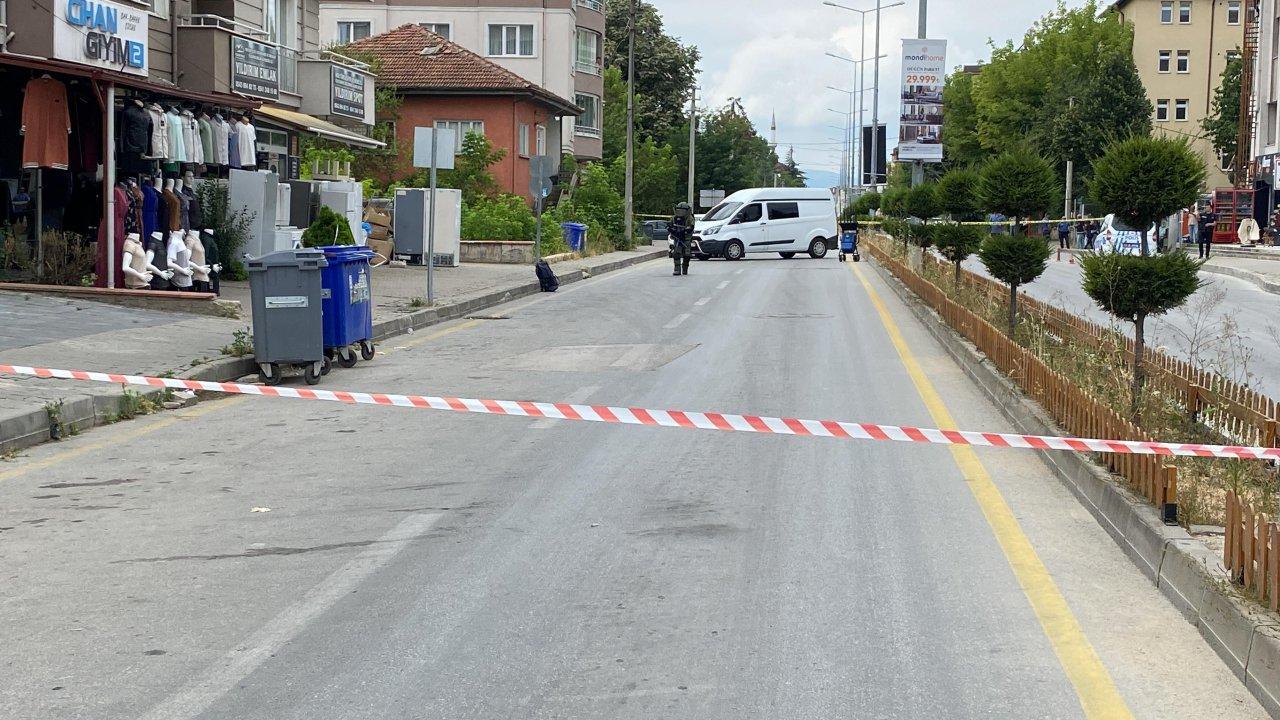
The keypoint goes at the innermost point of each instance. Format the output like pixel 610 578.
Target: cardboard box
pixel 378 232
pixel 385 248
pixel 377 217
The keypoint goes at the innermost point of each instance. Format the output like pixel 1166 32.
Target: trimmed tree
pixel 1019 184
pixel 957 242
pixel 957 193
pixel 1014 260
pixel 922 202
pixel 1145 179
pixel 893 202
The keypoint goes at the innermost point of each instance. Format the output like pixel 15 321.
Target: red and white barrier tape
pixel 678 418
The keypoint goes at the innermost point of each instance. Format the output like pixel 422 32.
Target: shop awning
pixel 315 125
pixel 133 81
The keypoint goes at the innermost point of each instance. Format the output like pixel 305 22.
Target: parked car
pixel 759 220
pixel 655 230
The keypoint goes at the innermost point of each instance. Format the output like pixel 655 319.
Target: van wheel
pixel 787 255
pixel 818 249
pixel 733 251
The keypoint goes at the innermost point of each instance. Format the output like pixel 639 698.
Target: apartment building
pixel 556 44
pixel 1266 88
pixel 1181 48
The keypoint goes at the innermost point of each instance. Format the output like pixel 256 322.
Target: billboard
pixel 882 153
pixel 924 70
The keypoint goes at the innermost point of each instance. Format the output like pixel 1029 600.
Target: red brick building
pixel 444 85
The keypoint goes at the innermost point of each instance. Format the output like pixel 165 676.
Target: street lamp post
pixel 846 163
pixel 862 103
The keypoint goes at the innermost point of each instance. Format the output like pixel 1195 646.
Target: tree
pixel 789 172
pixel 1222 124
pixel 665 69
pixel 657 177
pixel 731 154
pixel 893 202
pixel 1134 288
pixel 957 242
pixel 921 202
pixel 1018 184
pixel 957 193
pixel 471 169
pixel 1014 260
pixel 866 202
pixel 960 121
pixel 615 115
pixel 1145 179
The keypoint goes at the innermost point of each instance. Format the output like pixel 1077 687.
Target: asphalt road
pixel 1229 326
pixel 418 564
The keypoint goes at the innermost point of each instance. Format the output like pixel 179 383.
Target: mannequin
pixel 179 258
pixel 151 198
pixel 134 264
pixel 195 212
pixel 210 244
pixel 248 142
pixel 184 205
pixel 159 132
pixel 233 144
pixel 158 262
pixel 174 207
pixel 135 136
pixel 133 220
pixel 195 250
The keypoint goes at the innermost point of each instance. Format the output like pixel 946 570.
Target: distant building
pixel 444 85
pixel 1181 48
pixel 557 44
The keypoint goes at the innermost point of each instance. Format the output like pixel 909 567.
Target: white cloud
pixel 773 55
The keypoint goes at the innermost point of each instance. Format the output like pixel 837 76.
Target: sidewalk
pixel 75 334
pixel 1261 271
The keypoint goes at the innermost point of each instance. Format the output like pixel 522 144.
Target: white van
pixel 786 221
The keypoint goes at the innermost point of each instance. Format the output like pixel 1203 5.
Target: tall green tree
pixel 731 154
pixel 960 121
pixel 665 68
pixel 471 169
pixel 1019 184
pixel 1014 260
pixel 1146 179
pixel 957 193
pixel 615 115
pixel 657 177
pixel 1222 124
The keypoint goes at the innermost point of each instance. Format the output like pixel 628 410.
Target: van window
pixel 749 214
pixel 723 211
pixel 784 210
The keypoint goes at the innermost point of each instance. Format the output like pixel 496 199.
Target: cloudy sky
pixel 771 53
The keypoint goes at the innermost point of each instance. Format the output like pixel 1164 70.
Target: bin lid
pixel 301 258
pixel 573 226
pixel 347 253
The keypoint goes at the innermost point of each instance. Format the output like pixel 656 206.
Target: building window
pixel 444 30
pixel 589 121
pixel 461 128
pixel 541 144
pixel 593 4
pixel 511 40
pixel 1166 12
pixel 1162 65
pixel 522 141
pixel 1162 110
pixel 1184 11
pixel 349 32
pixel 1233 12
pixel 1180 110
pixel 160 8
pixel 590 49
pixel 1184 61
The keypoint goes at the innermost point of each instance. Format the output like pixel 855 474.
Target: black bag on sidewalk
pixel 546 278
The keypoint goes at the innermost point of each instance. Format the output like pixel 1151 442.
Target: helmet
pixel 683 210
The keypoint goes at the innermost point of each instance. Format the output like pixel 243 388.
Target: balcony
pixel 336 87
pixel 590 67
pixel 596 5
pixel 218 54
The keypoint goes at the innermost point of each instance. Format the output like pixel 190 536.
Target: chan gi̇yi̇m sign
pixel 101 34
pixel 924 71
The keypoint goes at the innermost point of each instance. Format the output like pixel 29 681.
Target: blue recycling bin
pixel 347 303
pixel 575 234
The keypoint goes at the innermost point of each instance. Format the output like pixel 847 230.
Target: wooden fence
pixel 1078 412
pixel 1252 550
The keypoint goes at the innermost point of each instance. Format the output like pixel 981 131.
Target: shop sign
pixel 348 92
pixel 255 68
pixel 923 73
pixel 102 34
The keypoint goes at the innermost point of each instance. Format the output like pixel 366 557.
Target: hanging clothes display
pixel 159 147
pixel 177 150
pixel 206 140
pixel 233 144
pixel 195 214
pixel 150 210
pixel 248 142
pixel 46 123
pixel 174 207
pixel 221 134
pixel 135 138
pixel 184 209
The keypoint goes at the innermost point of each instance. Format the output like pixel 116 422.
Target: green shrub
pixel 957 242
pixel 1019 184
pixel 329 228
pixel 1014 260
pixel 894 202
pixel 1145 179
pixel 957 194
pixel 922 201
pixel 506 217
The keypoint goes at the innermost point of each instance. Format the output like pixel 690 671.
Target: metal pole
pixel 40 222
pixel 628 191
pixel 537 236
pixel 862 99
pixel 109 178
pixel 431 224
pixel 875 109
pixel 917 167
pixel 1066 203
pixel 847 170
pixel 693 142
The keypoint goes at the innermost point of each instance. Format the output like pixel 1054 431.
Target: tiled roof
pixel 413 58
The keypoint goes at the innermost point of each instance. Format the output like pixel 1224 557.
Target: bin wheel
pixel 311 374
pixel 331 353
pixel 327 367
pixel 842 256
pixel 347 358
pixel 366 349
pixel 274 378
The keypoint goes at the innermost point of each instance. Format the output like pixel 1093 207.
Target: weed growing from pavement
pixel 56 427
pixel 1101 368
pixel 241 344
pixel 418 302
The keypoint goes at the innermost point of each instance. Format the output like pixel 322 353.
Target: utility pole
pixel 1066 203
pixel 693 142
pixel 862 101
pixel 629 198
pixel 875 109
pixel 917 166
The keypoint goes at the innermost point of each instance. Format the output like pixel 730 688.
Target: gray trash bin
pixel 288 327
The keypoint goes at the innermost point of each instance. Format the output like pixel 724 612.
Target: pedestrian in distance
pixel 1204 241
pixel 1064 234
pixel 681 232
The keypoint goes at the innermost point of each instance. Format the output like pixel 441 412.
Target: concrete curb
pixel 1188 573
pixel 1257 279
pixel 81 412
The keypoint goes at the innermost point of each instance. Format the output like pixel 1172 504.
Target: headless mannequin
pixel 179 261
pixel 195 249
pixel 156 250
pixel 173 206
pixel 134 263
pixel 211 256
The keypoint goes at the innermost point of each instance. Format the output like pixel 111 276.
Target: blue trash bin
pixel 575 234
pixel 347 303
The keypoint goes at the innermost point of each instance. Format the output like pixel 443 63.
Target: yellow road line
pixel 132 433
pixel 1098 695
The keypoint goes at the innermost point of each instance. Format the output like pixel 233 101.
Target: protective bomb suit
pixel 681 232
